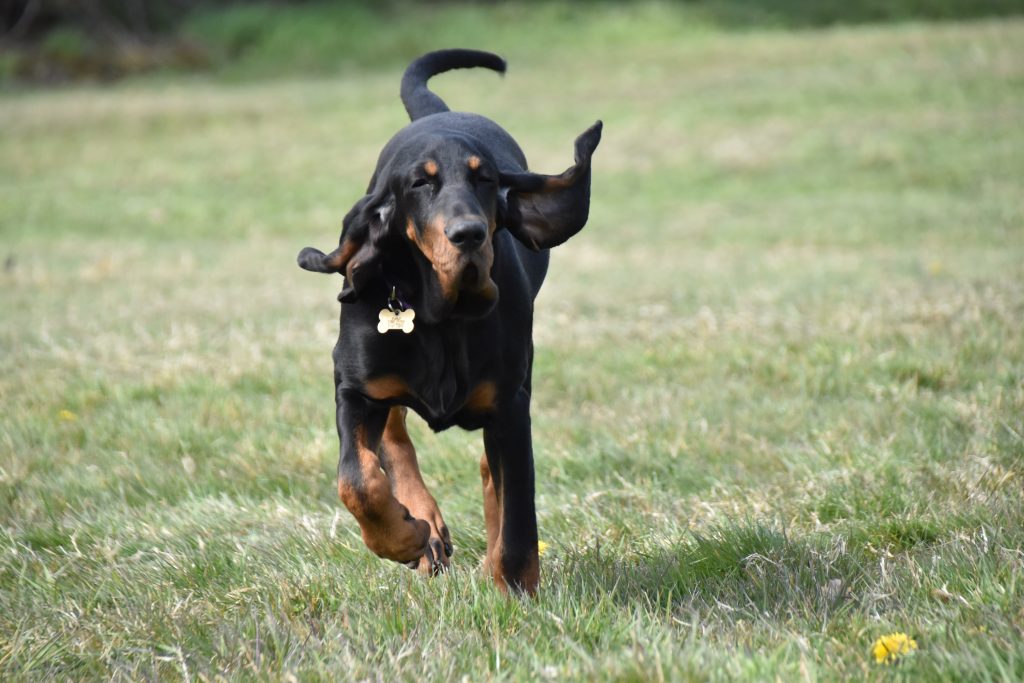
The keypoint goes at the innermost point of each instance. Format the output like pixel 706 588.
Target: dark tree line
pixel 102 20
pixel 143 21
pixel 59 40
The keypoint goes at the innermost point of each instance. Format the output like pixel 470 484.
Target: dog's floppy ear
pixel 358 253
pixel 542 211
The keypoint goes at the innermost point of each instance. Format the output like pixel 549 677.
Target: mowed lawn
pixel 779 389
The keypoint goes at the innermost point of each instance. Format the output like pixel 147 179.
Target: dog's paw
pixel 402 540
pixel 436 557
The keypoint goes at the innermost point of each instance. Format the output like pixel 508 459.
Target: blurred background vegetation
pixel 57 41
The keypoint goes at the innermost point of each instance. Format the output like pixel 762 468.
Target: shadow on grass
pixel 744 571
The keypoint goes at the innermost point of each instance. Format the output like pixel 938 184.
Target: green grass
pixel 779 378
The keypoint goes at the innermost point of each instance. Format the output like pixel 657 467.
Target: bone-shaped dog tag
pixel 396 320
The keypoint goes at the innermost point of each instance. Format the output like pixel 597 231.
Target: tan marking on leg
pixel 482 398
pixel 386 387
pixel 492 514
pixel 529 579
pixel 529 576
pixel 408 486
pixel 349 495
pixel 387 529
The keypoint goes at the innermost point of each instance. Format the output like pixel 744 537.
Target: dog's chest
pixel 446 368
pixel 434 370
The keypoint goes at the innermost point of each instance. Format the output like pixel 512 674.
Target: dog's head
pixel 428 221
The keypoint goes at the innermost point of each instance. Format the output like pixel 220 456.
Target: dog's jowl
pixel 442 259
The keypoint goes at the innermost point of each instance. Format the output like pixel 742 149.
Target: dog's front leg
pixel 399 459
pixel 387 527
pixel 508 497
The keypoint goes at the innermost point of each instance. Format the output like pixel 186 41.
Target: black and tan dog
pixel 442 260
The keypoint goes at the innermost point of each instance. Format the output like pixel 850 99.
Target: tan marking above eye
pixel 473 162
pixel 430 167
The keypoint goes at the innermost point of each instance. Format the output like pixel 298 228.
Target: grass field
pixel 779 390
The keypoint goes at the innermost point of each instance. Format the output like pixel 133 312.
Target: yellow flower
pixel 541 547
pixel 888 648
pixel 66 416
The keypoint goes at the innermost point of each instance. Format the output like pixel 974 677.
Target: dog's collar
pixel 396 304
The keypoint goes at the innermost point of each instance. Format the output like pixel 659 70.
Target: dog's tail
pixel 418 100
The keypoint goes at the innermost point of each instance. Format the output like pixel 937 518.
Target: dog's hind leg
pixel 398 457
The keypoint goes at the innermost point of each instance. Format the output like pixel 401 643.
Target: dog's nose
pixel 465 234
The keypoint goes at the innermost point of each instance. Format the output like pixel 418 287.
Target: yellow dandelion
pixel 66 416
pixel 541 547
pixel 888 649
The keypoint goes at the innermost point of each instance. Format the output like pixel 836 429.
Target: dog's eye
pixel 420 182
